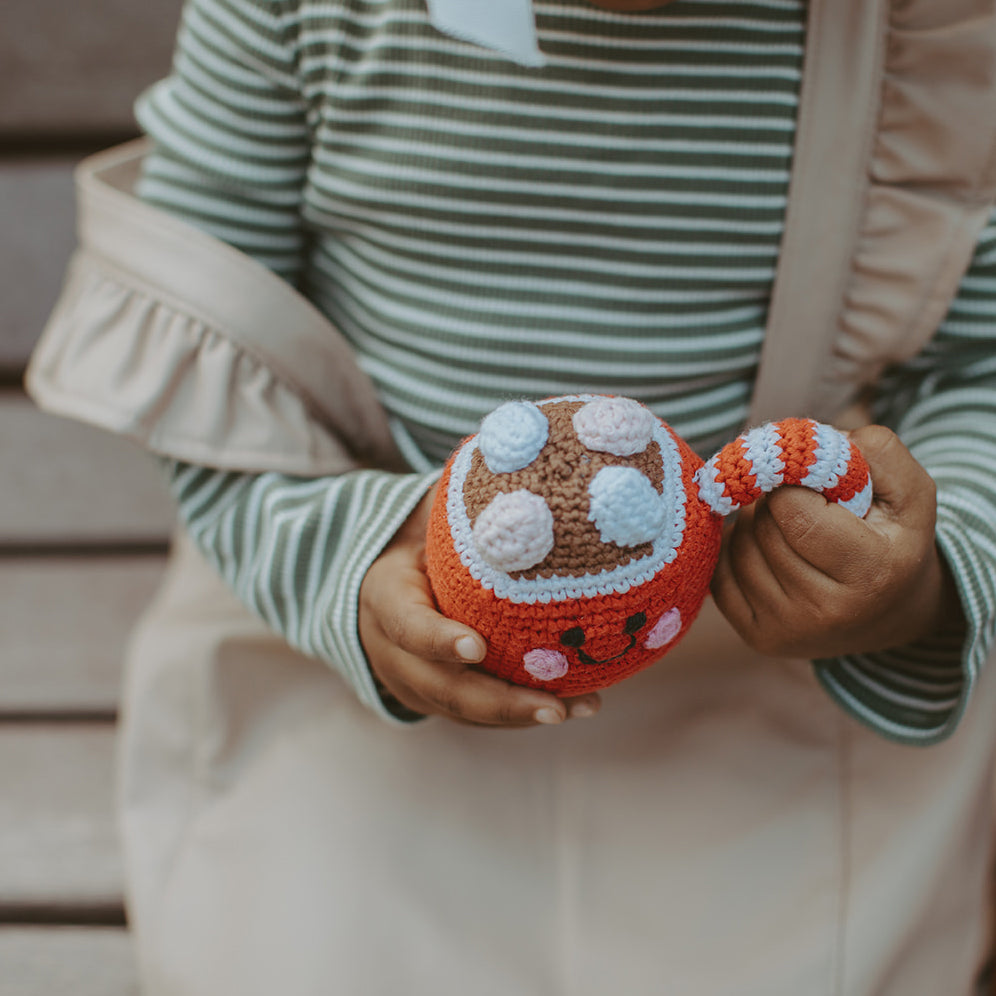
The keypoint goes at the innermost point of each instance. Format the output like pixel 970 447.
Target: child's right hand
pixel 426 661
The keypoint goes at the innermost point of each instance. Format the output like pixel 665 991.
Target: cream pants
pixel 720 829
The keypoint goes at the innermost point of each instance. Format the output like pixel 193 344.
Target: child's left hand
pixel 801 577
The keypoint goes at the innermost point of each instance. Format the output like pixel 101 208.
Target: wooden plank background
pixel 63 624
pixel 75 484
pixel 84 518
pixel 36 201
pixel 81 961
pixel 71 70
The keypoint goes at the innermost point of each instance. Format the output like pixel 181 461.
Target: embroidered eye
pixel 635 623
pixel 574 637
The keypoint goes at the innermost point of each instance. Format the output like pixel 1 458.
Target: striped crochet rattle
pixel 579 534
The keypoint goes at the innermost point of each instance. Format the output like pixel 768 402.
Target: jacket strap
pixel 893 177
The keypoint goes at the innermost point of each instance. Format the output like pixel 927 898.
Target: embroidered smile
pixel 548 665
pixel 585 659
pixel 575 638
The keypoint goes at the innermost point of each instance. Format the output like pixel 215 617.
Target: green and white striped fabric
pixel 943 405
pixel 482 230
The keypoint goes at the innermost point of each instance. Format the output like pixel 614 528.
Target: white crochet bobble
pixel 515 531
pixel 625 506
pixel 619 426
pixel 512 436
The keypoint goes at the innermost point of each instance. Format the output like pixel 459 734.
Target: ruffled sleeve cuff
pixel 918 694
pixel 170 337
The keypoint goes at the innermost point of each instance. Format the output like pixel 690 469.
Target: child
pixel 486 209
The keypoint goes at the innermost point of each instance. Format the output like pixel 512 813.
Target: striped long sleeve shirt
pixel 481 230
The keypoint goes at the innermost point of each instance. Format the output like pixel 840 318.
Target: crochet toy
pixel 579 534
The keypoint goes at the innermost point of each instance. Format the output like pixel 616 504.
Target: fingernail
pixel 548 716
pixel 582 710
pixel 468 649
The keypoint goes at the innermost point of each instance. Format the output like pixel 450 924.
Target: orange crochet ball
pixel 578 535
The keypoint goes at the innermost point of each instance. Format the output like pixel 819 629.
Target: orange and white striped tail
pixel 794 451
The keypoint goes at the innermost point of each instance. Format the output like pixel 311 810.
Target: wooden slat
pixel 59 961
pixel 66 482
pixel 36 239
pixel 58 844
pixel 75 67
pixel 63 628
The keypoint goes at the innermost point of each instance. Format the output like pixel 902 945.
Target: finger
pixel 429 686
pixel 748 566
pixel 418 629
pixel 397 598
pixel 798 524
pixel 903 490
pixel 389 688
pixel 427 661
pixel 727 591
pixel 746 590
pixel 406 678
pixel 766 591
pixel 732 603
pixel 469 695
pixel 759 554
pixel 583 706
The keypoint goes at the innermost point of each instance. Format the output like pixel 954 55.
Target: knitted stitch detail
pixel 793 451
pixel 545 665
pixel 512 436
pixel 581 565
pixel 665 630
pixel 830 458
pixel 625 507
pixel 859 504
pixel 614 425
pixel 761 449
pixel 515 531
pixel 598 608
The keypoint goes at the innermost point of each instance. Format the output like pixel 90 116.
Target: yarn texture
pixel 579 534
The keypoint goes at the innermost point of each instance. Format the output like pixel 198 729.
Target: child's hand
pixel 802 577
pixel 427 661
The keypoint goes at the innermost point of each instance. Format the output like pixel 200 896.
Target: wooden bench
pixel 84 518
pixel 83 526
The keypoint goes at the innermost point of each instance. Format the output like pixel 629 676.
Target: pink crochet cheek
pixel 665 630
pixel 545 665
